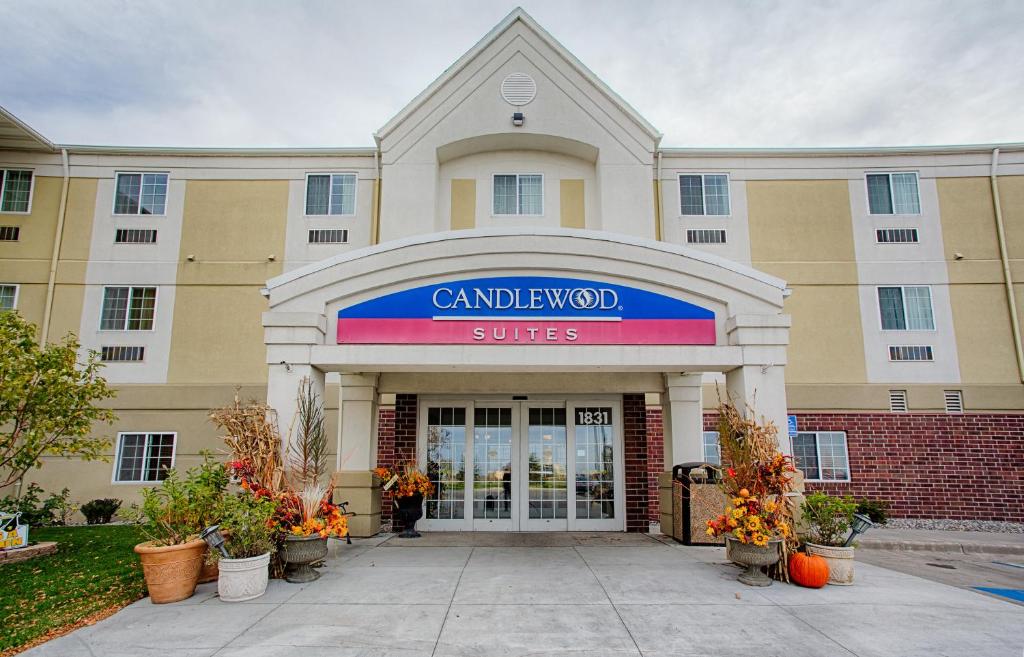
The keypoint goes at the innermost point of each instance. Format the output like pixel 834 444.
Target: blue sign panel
pixel 791 423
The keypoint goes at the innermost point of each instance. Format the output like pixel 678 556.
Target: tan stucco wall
pixel 222 286
pixel 802 231
pixel 572 202
pixel 463 203
pixel 27 261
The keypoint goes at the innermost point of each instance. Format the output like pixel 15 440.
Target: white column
pixel 283 394
pixel 759 385
pixel 357 422
pixel 682 419
pixel 289 337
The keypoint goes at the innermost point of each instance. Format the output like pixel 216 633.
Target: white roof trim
pixel 617 238
pixel 26 130
pixel 517 14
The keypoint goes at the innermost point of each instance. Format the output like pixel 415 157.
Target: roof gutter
pixel 1004 259
pixel 57 239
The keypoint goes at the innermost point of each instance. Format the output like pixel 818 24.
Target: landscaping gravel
pixel 991 526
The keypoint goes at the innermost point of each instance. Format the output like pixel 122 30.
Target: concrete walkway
pixel 592 596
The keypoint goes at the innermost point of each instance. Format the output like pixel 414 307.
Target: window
pixel 712 449
pixel 954 401
pixel 328 236
pixel 907 308
pixel 896 236
pixel 898 401
pixel 8 297
pixel 128 309
pixel 122 354
pixel 893 193
pixel 704 194
pixel 144 457
pixel 821 455
pixel 15 190
pixel 135 236
pixel 331 193
pixel 140 193
pixel 705 236
pixel 910 353
pixel 9 233
pixel 519 194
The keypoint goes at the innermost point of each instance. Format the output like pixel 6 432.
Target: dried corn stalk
pixel 251 435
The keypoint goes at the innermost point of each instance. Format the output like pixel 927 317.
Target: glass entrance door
pixel 495 467
pixel 544 489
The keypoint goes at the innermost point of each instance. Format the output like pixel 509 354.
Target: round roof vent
pixel 518 89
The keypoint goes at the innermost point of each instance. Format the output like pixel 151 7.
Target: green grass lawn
pixel 93 570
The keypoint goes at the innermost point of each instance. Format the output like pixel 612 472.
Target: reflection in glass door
pixel 446 463
pixel 598 503
pixel 546 482
pixel 493 468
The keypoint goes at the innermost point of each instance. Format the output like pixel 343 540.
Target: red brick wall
pixel 637 474
pixel 926 465
pixel 396 442
pixel 655 460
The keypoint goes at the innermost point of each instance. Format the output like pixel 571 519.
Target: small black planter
pixel 410 509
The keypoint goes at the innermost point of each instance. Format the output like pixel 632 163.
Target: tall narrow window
pixel 712 448
pixel 143 457
pixel 140 193
pixel 15 190
pixel 518 194
pixel 704 194
pixel 331 193
pixel 906 308
pixel 8 297
pixel 128 309
pixel 893 193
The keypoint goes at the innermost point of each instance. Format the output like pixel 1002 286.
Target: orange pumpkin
pixel 808 570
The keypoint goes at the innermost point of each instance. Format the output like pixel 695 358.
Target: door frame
pixel 520 424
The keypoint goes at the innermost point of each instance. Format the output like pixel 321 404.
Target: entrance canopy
pixel 533 306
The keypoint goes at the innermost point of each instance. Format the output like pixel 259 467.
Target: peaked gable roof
pixel 16 134
pixel 517 15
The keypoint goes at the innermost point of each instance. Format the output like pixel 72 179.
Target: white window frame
pixel 113 201
pixel 17 290
pixel 156 306
pixel 31 188
pixel 355 193
pixel 704 446
pixel 519 213
pixel 117 456
pixel 704 213
pixel 867 195
pixel 902 287
pixel 817 450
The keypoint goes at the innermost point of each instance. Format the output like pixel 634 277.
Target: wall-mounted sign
pixel 525 310
pixel 791 426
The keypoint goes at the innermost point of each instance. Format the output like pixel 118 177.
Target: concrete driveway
pixel 567 594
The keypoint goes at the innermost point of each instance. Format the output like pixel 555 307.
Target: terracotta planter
pixel 299 553
pixel 171 571
pixel 209 572
pixel 840 562
pixel 754 557
pixel 243 579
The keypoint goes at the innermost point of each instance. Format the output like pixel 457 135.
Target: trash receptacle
pixel 696 498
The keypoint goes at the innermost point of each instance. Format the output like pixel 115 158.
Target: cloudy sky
pixel 756 73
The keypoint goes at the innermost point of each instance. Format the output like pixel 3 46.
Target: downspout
pixel 57 239
pixel 375 220
pixel 659 228
pixel 1005 260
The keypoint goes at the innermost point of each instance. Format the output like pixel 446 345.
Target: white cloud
pixel 331 73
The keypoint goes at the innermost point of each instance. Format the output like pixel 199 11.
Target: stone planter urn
pixel 754 557
pixel 410 509
pixel 243 579
pixel 299 553
pixel 840 562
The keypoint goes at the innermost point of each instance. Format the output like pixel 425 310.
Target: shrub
pixel 178 509
pixel 36 512
pixel 248 521
pixel 99 512
pixel 828 518
pixel 877 510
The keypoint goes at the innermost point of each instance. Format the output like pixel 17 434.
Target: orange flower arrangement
pixel 330 522
pixel 410 481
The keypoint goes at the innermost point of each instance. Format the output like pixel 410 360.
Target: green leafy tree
pixel 48 400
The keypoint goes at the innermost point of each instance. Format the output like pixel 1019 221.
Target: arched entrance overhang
pixel 325 318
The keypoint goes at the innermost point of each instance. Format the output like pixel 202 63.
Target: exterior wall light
pixel 861 523
pixel 518 119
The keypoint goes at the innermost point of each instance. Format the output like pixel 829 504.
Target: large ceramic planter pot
pixel 243 579
pixel 840 562
pixel 410 510
pixel 171 571
pixel 299 553
pixel 754 557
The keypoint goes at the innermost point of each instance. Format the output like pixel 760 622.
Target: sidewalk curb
pixel 939 546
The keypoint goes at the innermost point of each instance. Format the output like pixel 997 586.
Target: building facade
pixel 521 291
